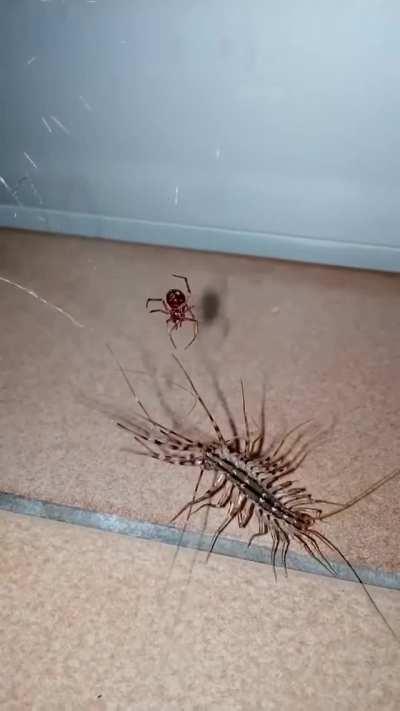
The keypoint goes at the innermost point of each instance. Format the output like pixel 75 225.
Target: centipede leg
pixel 191 503
pixel 221 503
pixel 285 545
pixel 245 517
pixel 262 528
pixel 183 531
pixel 219 483
pixel 234 510
pixel 225 523
pixel 258 444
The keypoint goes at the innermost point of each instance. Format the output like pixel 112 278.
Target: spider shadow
pixel 211 310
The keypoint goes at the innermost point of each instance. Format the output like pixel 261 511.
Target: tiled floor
pixel 94 613
pixel 326 341
pixel 86 614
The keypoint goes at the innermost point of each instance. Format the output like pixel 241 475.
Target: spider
pixel 176 307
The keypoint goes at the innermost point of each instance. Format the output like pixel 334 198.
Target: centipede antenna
pixel 363 494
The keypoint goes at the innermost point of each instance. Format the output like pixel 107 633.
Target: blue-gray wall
pixel 258 126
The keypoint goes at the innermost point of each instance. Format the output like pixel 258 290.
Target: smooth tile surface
pixel 92 620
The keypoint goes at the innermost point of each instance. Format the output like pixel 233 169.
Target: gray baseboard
pixel 300 248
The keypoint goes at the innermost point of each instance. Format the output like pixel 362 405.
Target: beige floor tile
pixel 326 340
pixel 92 620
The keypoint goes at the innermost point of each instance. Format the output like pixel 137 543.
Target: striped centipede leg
pixel 258 444
pixel 285 545
pixel 244 517
pixel 231 420
pixel 275 546
pixel 262 527
pixel 246 421
pixel 189 513
pixel 277 448
pixel 211 491
pixel 309 544
pixel 225 523
pixel 221 503
pixel 215 425
pixel 337 550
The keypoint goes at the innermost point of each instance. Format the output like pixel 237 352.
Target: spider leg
pixel 173 328
pixel 178 276
pixel 189 310
pixel 148 301
pixel 158 311
pixel 195 330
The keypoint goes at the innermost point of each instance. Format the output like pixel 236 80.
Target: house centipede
pixel 250 481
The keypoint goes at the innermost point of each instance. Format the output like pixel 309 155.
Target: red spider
pixel 176 307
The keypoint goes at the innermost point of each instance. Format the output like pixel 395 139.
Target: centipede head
pixel 304 521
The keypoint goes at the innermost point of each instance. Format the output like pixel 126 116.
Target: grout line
pixel 172 536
